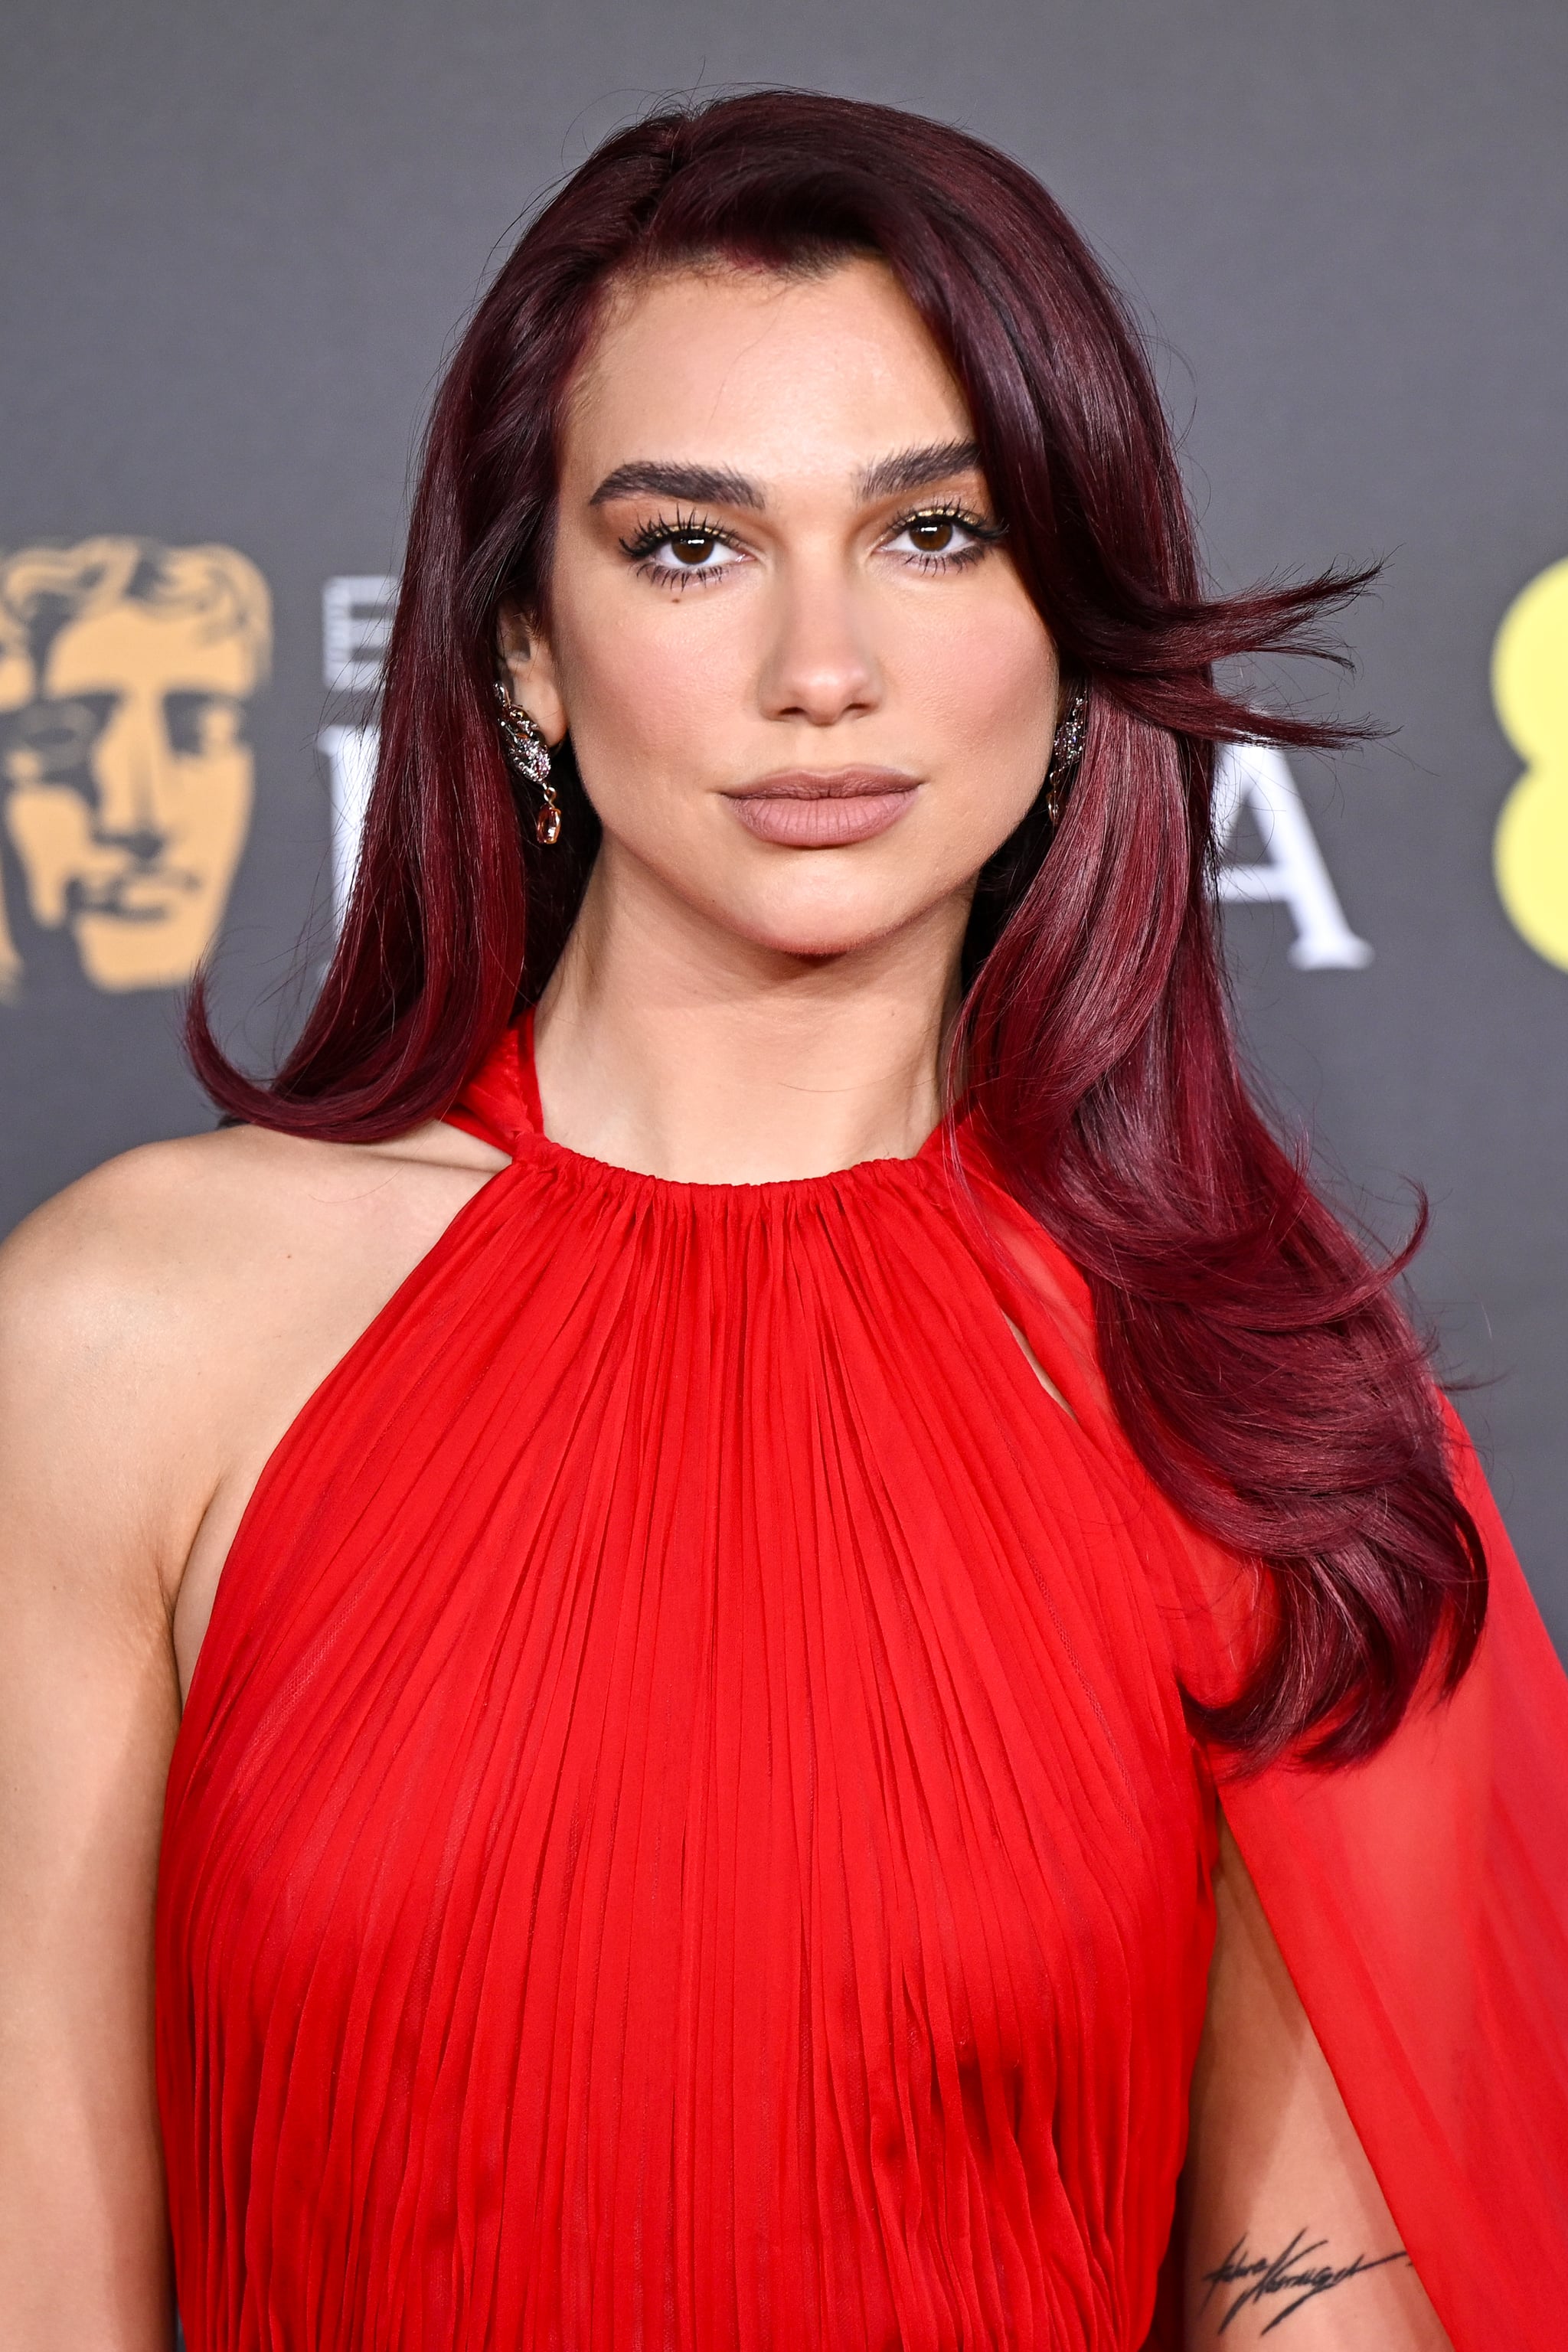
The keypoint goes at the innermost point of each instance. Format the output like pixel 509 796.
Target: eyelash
pixel 984 534
pixel 641 547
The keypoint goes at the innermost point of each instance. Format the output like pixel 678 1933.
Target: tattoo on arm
pixel 1290 2273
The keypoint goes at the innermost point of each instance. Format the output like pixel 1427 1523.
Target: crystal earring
pixel 1066 751
pixel 528 756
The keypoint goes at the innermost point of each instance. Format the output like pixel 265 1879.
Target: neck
pixel 666 1044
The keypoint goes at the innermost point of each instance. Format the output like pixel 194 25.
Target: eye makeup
pixel 693 539
pixel 690 538
pixel 932 528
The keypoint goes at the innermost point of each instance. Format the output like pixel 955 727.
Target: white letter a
pixel 1256 776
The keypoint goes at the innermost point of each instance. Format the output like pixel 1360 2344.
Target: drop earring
pixel 528 756
pixel 1066 751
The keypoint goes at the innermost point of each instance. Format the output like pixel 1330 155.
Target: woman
pixel 835 1583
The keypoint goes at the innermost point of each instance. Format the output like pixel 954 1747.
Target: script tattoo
pixel 1291 2273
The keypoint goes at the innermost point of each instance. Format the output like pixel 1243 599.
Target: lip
pixel 821 808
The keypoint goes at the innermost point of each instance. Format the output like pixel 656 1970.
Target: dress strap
pixel 500 1104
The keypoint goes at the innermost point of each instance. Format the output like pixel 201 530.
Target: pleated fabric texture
pixel 684 1836
pixel 683 1833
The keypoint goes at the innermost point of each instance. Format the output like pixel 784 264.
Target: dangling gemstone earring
pixel 528 756
pixel 1066 751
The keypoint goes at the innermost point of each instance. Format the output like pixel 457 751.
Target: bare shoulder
pixel 144 1238
pixel 130 1245
pixel 102 1291
pixel 165 1309
pixel 150 1254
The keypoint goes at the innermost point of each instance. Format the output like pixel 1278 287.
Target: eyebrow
pixel 917 469
pixel 704 485
pixel 907 469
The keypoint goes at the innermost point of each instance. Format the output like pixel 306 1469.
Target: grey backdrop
pixel 238 241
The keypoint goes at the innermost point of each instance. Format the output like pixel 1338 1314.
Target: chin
pixel 814 934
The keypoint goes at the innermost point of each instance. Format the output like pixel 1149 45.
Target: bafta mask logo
pixel 126 781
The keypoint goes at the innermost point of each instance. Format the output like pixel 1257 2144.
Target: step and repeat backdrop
pixel 239 243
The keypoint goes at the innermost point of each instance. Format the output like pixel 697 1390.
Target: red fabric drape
pixel 1421 1902
pixel 684 1834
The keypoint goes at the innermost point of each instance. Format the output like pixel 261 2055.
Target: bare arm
pixel 161 1323
pixel 88 1705
pixel 1288 2236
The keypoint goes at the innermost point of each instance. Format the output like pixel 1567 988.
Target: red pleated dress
pixel 684 1834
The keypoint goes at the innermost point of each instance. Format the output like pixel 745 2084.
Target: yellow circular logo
pixel 1530 687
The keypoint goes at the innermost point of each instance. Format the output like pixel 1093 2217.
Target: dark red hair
pixel 1261 1367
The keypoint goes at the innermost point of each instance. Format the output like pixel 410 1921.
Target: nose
pixel 820 665
pixel 130 770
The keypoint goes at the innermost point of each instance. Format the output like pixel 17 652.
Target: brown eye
pixel 674 552
pixel 931 534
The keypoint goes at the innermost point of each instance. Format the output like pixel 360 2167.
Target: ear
pixel 528 667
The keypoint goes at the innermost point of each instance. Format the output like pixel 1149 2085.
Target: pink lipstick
pixel 811 808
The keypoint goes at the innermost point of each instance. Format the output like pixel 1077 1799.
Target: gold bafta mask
pixel 126 781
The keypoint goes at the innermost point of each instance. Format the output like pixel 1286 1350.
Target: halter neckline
pixel 501 1104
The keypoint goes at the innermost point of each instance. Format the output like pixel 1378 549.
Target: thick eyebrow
pixel 703 485
pixel 917 469
pixel 909 469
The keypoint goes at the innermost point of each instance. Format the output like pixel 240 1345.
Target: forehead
pixel 781 376
pixel 132 646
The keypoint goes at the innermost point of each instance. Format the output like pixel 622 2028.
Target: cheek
pixel 987 686
pixel 651 695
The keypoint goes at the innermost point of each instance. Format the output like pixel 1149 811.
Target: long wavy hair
pixel 1260 1365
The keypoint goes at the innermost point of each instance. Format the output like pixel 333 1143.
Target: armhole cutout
pixel 1038 1369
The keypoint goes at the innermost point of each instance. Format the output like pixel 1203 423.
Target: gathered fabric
pixel 684 1834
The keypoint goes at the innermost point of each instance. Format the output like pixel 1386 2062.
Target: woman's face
pixel 807 693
